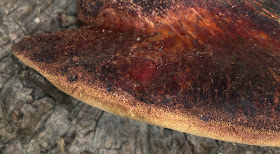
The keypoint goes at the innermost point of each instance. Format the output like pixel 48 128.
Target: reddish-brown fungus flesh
pixel 217 62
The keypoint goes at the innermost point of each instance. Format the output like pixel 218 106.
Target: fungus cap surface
pixel 209 68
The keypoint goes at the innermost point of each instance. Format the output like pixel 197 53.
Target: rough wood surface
pixel 34 114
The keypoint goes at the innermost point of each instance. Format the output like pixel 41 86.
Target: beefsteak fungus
pixel 207 67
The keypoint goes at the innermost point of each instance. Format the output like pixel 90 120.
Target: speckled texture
pixel 218 60
pixel 159 140
pixel 209 60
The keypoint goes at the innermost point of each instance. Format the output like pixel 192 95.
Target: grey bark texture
pixel 34 115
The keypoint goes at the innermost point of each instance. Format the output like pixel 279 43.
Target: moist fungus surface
pixel 213 60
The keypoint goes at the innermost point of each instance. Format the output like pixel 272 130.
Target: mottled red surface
pixel 216 60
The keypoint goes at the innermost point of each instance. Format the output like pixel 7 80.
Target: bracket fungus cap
pixel 208 68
